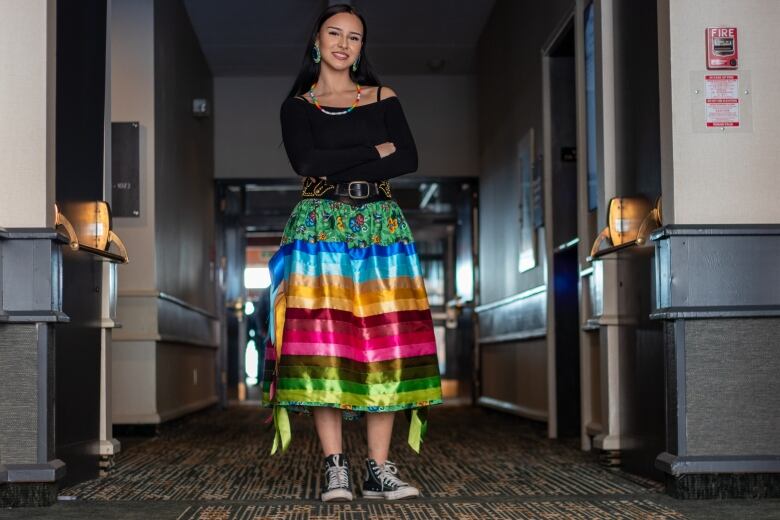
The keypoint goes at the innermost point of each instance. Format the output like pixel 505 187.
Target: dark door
pixel 565 264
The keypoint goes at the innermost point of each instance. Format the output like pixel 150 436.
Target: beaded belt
pixel 353 192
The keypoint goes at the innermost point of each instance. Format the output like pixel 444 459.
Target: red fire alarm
pixel 722 50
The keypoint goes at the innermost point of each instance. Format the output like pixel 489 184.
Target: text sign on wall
pixel 722 52
pixel 721 103
pixel 125 174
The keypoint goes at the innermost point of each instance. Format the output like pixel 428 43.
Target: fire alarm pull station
pixel 722 50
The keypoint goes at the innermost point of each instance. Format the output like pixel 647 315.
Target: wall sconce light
pixel 90 229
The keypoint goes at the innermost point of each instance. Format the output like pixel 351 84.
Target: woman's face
pixel 340 39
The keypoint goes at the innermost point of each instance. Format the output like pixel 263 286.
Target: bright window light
pixel 257 277
pixel 249 308
pixel 251 357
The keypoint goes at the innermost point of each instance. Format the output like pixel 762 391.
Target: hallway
pixel 593 209
pixel 476 464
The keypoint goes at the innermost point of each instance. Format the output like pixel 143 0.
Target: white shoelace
pixel 388 472
pixel 338 477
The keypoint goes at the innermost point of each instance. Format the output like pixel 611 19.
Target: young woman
pixel 350 326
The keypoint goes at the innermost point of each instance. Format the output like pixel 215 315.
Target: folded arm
pixel 305 158
pixel 402 161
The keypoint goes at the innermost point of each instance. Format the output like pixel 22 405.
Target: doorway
pixel 560 137
pixel 251 217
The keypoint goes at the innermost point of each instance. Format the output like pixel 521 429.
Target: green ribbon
pixel 283 433
pixel 418 427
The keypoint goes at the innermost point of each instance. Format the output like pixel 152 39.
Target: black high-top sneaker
pixel 337 485
pixel 383 482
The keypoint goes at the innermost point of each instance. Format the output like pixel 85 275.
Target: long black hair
pixel 310 71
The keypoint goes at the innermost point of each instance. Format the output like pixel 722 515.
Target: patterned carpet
pixel 496 510
pixel 476 463
pixel 470 452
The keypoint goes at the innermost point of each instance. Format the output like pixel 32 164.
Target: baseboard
pixel 516 409
pixel 188 408
pixel 165 416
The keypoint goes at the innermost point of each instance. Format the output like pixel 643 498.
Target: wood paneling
pixel 516 374
pixel 184 161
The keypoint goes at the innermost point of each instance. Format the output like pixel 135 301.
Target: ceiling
pixel 264 37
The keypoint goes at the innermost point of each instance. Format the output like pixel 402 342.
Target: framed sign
pixel 525 162
pixel 125 173
pixel 721 100
pixel 538 193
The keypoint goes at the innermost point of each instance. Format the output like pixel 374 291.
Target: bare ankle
pixel 378 460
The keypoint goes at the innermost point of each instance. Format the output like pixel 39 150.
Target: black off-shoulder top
pixel 342 147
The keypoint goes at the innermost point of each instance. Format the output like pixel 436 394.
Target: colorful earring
pixel 315 54
pixel 355 65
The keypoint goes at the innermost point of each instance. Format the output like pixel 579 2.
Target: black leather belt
pixel 352 192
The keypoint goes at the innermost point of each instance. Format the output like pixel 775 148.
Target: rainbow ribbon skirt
pixel 350 325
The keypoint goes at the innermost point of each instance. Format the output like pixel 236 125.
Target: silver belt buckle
pixel 349 189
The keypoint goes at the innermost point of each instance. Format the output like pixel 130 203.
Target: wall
pixel 518 375
pixel 441 111
pixel 184 161
pixel 509 94
pixel 635 75
pixel 514 367
pixel 720 177
pixel 27 83
pixel 154 83
pixel 132 99
pixel 169 335
pixel 717 284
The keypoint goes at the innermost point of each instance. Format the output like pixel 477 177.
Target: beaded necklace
pixel 340 113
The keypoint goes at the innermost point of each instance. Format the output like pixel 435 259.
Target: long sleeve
pixel 305 158
pixel 402 161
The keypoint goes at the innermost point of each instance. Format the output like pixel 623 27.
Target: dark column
pixel 30 304
pixel 81 123
pixel 718 293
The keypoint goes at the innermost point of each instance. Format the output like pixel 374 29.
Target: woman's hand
pixel 385 149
